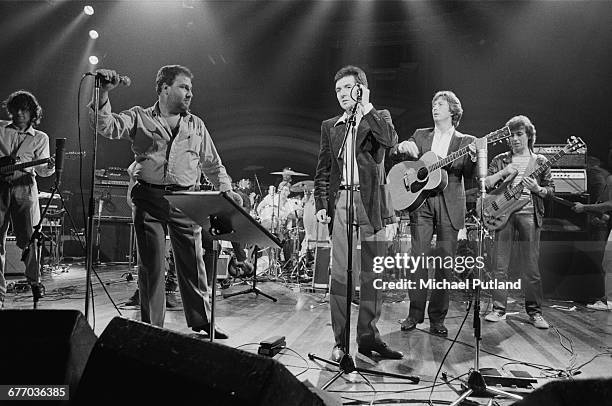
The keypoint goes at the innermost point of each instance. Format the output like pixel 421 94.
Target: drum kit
pixel 285 216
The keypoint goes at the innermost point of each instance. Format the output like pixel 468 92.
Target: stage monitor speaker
pixel 14 266
pixel 114 241
pixel 44 347
pixel 142 364
pixel 571 392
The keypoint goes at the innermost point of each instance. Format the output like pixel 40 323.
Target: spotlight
pixel 93 60
pixel 89 10
pixel 93 34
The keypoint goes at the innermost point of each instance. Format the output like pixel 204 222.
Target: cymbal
pixel 289 172
pixel 302 186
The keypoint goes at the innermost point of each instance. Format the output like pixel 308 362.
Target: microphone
pixel 481 155
pixel 358 93
pixel 60 144
pixel 123 80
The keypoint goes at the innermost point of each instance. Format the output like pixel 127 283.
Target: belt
pixel 348 187
pixel 166 188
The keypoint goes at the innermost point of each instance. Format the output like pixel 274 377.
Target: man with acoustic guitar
pixel 525 224
pixel 19 140
pixel 442 212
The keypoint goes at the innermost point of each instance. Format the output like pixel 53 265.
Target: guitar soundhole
pixel 422 174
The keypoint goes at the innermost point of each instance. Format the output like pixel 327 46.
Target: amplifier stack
pixel 569 172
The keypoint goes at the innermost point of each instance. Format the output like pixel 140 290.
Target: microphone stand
pixel 35 238
pixel 476 383
pixel 90 213
pixel 347 364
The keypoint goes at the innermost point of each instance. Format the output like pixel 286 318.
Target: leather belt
pixel 347 187
pixel 166 188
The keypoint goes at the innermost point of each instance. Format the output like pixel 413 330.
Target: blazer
pixel 375 135
pixel 454 194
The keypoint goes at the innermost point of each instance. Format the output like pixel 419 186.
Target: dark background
pixel 264 69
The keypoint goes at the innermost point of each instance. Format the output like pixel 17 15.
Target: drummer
pixel 269 207
pixel 287 172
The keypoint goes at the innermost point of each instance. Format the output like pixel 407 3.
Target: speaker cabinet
pixel 13 264
pixel 137 363
pixel 113 241
pixel 44 347
pixel 111 202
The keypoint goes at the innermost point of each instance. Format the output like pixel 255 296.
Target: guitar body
pixel 497 208
pixel 410 183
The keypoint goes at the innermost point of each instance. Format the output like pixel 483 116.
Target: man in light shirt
pixel 442 212
pixel 20 140
pixel 171 148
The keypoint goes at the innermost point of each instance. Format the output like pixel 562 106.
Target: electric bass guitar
pixel 498 205
pixel 411 182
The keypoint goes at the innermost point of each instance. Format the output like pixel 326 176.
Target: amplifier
pixel 572 181
pixel 575 159
pixel 111 202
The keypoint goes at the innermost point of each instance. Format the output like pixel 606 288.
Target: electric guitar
pixel 411 182
pixel 8 164
pixel 498 205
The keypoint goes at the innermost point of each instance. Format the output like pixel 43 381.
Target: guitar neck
pixel 491 138
pixel 15 167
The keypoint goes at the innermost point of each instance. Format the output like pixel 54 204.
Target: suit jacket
pixel 375 135
pixel 454 194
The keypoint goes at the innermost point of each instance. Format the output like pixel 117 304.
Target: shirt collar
pixel 450 131
pixel 157 112
pixel 344 118
pixel 30 130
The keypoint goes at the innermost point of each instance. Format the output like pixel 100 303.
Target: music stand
pixel 222 218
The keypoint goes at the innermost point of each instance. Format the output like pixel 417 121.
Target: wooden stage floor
pixel 577 337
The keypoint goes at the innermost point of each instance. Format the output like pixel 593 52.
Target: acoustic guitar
pixel 411 182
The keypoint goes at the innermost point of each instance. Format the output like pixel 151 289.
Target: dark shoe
pixel 134 300
pixel 438 329
pixel 38 291
pixel 337 353
pixel 382 349
pixel 203 330
pixel 408 324
pixel 171 301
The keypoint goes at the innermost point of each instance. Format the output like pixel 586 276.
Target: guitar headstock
pixel 498 135
pixel 574 144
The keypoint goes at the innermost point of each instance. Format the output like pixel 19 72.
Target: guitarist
pixel 525 225
pixel 18 191
pixel 442 212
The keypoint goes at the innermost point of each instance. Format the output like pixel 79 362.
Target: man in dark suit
pixel 442 212
pixel 373 213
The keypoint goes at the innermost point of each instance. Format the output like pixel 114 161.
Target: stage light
pixel 93 60
pixel 93 34
pixel 89 10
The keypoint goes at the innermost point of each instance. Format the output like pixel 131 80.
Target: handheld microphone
pixel 123 80
pixel 60 144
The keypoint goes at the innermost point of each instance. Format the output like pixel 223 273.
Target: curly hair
pixel 24 100
pixel 454 105
pixel 167 74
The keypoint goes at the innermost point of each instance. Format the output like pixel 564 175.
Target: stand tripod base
pixel 250 290
pixel 347 366
pixel 477 386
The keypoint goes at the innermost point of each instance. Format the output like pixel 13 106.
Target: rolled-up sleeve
pixel 114 125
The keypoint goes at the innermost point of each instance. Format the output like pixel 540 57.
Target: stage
pixel 576 337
